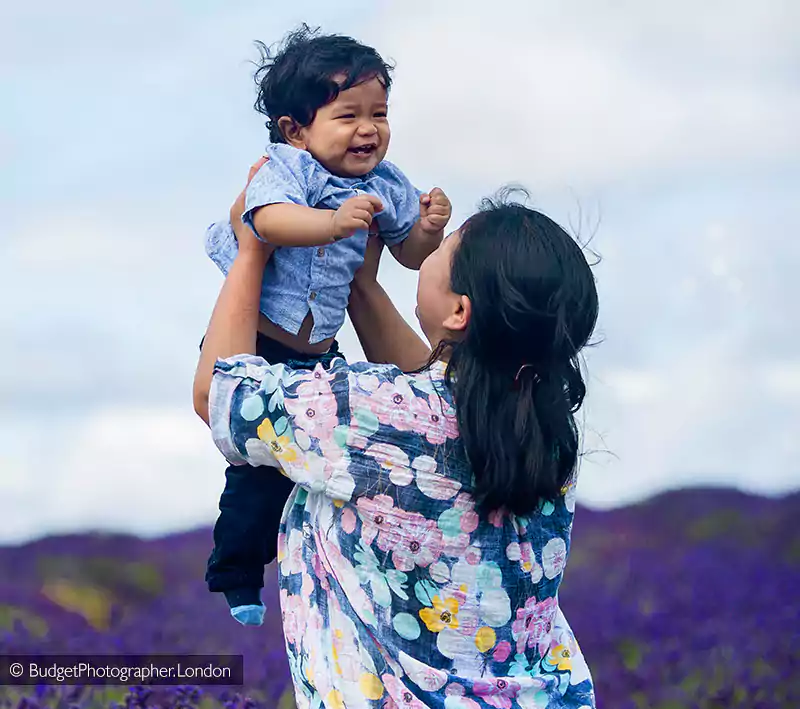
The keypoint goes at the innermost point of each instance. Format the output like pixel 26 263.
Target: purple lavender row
pixel 689 600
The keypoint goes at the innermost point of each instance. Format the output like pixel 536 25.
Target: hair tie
pixel 536 377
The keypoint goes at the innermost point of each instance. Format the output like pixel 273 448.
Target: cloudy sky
pixel 667 130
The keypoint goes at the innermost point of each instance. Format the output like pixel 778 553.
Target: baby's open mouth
pixel 364 149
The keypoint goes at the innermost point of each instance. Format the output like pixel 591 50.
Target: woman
pixel 422 549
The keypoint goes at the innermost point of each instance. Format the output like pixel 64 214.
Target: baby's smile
pixel 366 150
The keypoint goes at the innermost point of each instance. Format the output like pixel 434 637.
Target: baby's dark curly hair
pixel 297 78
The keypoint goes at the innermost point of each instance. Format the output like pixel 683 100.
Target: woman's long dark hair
pixel 515 376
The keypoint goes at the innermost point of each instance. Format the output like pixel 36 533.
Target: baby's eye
pixel 349 116
pixel 380 114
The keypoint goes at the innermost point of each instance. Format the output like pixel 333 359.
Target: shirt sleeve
pixel 221 245
pixel 286 178
pixel 339 431
pixel 396 224
pixel 295 420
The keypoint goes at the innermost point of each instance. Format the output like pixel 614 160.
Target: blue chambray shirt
pixel 303 278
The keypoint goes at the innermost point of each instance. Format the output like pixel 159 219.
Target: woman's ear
pixel 292 132
pixel 458 320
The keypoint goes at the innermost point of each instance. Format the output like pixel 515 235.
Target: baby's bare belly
pixel 298 342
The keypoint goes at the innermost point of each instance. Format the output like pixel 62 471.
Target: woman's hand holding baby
pixel 355 214
pixel 434 211
pixel 245 238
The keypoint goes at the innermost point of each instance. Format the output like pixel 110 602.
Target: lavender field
pixel 689 600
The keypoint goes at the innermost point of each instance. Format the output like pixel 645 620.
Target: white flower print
pixel 292 563
pixel 437 487
pixel 554 557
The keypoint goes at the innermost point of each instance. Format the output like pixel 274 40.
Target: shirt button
pixel 320 251
pixel 312 296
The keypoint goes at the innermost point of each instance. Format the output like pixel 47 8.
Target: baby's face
pixel 350 135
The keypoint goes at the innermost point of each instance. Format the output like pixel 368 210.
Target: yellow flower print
pixel 444 614
pixel 371 686
pixel 335 700
pixel 335 657
pixel 485 639
pixel 561 657
pixel 281 446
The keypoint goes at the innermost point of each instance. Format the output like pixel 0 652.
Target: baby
pixel 324 188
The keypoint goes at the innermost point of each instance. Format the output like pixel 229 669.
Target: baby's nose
pixel 367 128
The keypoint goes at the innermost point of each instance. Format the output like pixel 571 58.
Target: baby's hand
pixel 434 211
pixel 356 213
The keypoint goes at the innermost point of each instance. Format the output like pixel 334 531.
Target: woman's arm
pixel 384 335
pixel 234 321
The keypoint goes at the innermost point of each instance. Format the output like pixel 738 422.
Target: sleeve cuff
pixel 228 375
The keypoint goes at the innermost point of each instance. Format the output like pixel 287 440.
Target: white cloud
pixel 704 417
pixel 782 380
pixel 635 387
pixel 559 95
pixel 143 470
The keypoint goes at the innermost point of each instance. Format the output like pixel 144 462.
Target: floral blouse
pixel 395 592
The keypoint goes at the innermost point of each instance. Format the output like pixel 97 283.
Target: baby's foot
pixel 246 605
pixel 249 615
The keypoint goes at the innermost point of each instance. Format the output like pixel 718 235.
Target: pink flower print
pixel 463 502
pixel 330 450
pixel 469 521
pixel 319 571
pixel 455 698
pixel 402 696
pixel 417 542
pixel 360 402
pixel 293 618
pixel 307 587
pixel 454 690
pixel 529 563
pixel 318 383
pixel 391 403
pixel 469 518
pixel 424 676
pixel 497 692
pixel 314 408
pixel 348 521
pixel 497 517
pixel 433 424
pixel 502 651
pixel 534 623
pixel 455 546
pixel 378 515
pixel 473 556
pixel 356 440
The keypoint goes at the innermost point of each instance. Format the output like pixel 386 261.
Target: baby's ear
pixel 292 132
